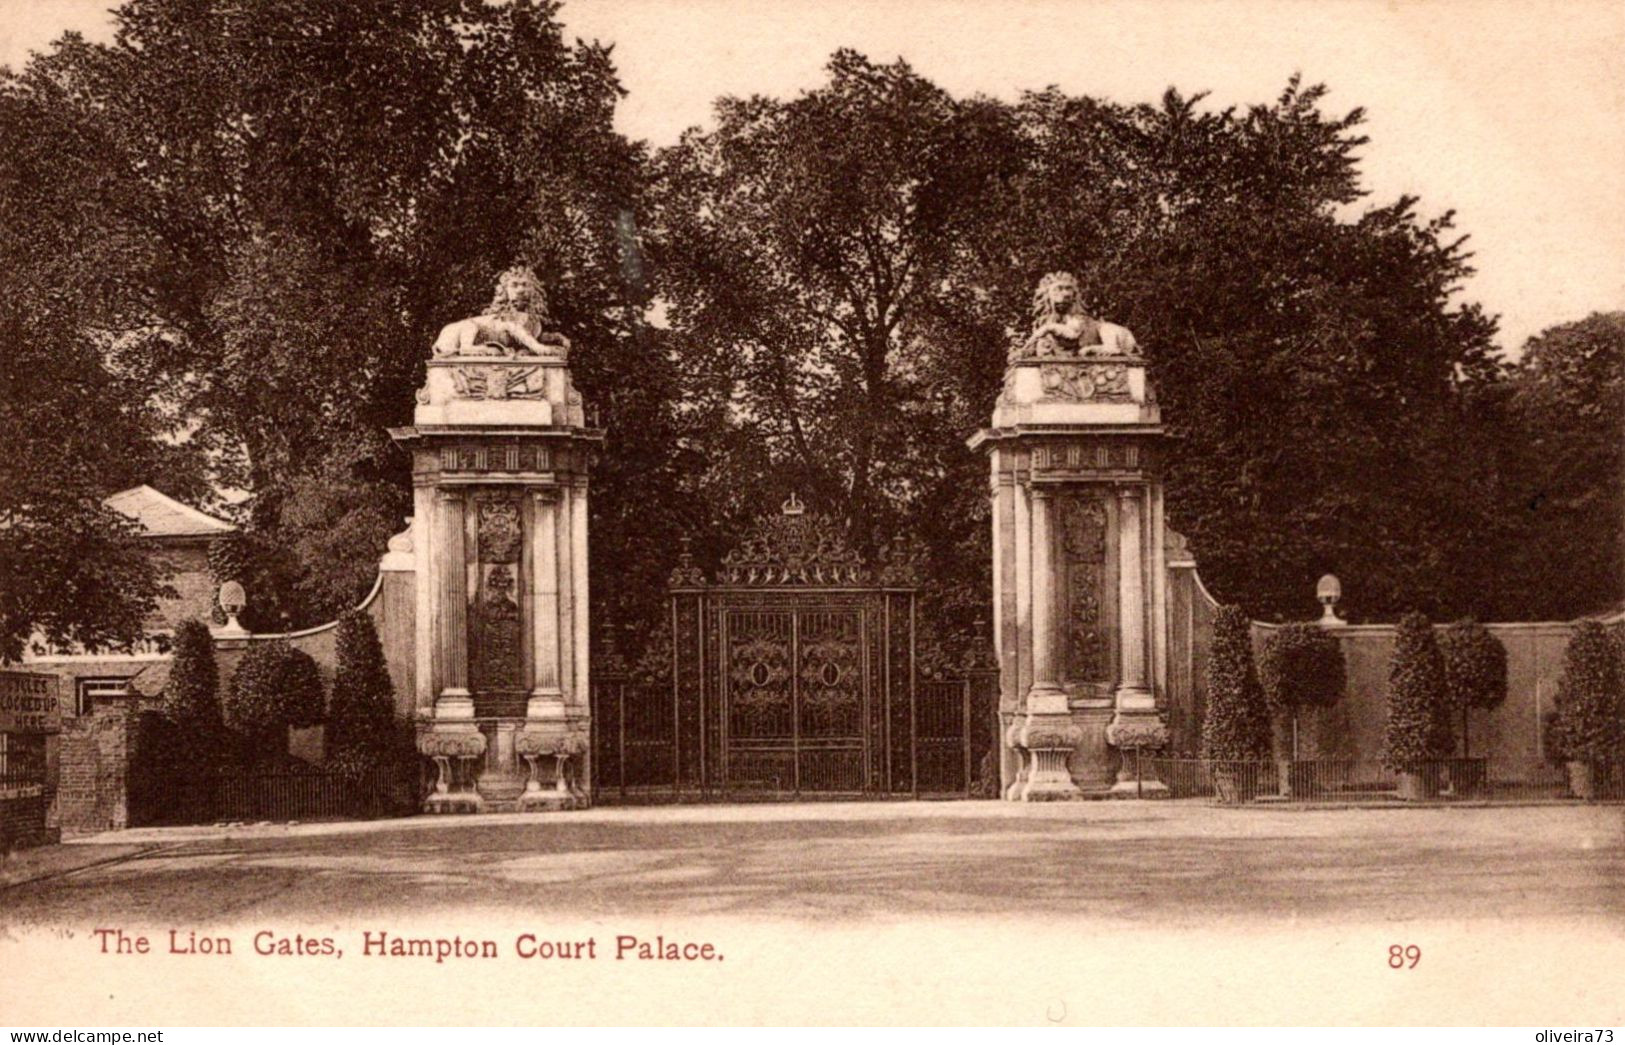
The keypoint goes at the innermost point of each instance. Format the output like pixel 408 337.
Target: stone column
pixel 1132 690
pixel 454 701
pixel 425 589
pixel 1046 732
pixel 1046 696
pixel 546 699
pixel 578 594
pixel 1136 730
pixel 564 621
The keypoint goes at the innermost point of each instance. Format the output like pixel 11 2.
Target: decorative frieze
pixel 1085 382
pixel 496 381
pixel 1101 456
pixel 510 458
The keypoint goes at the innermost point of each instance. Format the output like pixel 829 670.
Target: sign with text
pixel 28 703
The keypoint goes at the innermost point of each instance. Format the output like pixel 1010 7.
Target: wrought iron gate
pixel 792 675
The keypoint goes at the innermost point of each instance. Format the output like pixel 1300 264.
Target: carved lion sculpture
pixel 1062 327
pixel 511 326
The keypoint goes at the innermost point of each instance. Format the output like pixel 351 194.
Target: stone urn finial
pixel 1329 590
pixel 233 600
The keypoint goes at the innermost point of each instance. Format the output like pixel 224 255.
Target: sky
pixel 1510 112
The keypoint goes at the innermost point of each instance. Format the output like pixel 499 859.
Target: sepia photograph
pixel 1105 513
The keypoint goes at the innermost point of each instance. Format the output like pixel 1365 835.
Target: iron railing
pixel 1362 781
pixel 945 750
pixel 281 794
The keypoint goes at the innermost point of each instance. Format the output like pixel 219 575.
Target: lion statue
pixel 511 326
pixel 1062 328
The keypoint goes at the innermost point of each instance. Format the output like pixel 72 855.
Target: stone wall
pixel 1509 736
pixel 391 605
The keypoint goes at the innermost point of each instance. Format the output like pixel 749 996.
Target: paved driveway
pixel 1169 863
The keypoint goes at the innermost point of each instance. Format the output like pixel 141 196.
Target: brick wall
pixel 188 564
pixel 22 818
pixel 93 760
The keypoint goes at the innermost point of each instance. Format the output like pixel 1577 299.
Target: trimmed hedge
pixel 192 694
pixel 1418 723
pixel 1590 701
pixel 1236 726
pixel 1301 666
pixel 1475 670
pixel 275 687
pixel 361 715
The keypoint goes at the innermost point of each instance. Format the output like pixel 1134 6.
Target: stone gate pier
pixel 1078 532
pixel 500 456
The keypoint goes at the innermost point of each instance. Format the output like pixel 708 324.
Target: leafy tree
pixel 82 417
pixel 1236 726
pixel 285 200
pixel 1590 696
pixel 1475 670
pixel 1418 728
pixel 1562 543
pixel 1297 349
pixel 1301 666
pixel 361 714
pixel 799 245
pixel 845 268
pixel 275 688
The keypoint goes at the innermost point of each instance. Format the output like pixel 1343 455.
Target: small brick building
pixel 102 694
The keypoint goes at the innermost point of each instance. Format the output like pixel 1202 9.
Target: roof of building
pixel 160 515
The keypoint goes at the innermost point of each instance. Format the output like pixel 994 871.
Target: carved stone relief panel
pixel 498 662
pixel 1086 629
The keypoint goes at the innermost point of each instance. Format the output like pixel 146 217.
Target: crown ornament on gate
pixel 793 547
pixel 686 574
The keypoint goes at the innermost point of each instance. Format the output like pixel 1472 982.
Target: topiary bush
pixel 1418 721
pixel 275 687
pixel 1236 726
pixel 361 714
pixel 1590 701
pixel 187 749
pixel 1301 666
pixel 192 694
pixel 1475 671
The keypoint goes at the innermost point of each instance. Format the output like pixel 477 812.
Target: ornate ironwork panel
pixel 689 668
pixel 792 674
pixel 759 662
pixel 830 663
pixel 900 708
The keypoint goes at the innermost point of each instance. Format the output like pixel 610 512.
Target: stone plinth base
pixel 550 802
pixel 1046 742
pixel 1138 734
pixel 1149 787
pixel 563 743
pixel 450 745
pixel 454 802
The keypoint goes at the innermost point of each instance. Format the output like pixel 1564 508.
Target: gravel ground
pixel 1168 863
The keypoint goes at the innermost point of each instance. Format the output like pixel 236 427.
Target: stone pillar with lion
pixel 501 450
pixel 1075 448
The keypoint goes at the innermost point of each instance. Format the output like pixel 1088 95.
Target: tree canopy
pixel 231 233
pixel 282 202
pixel 845 267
